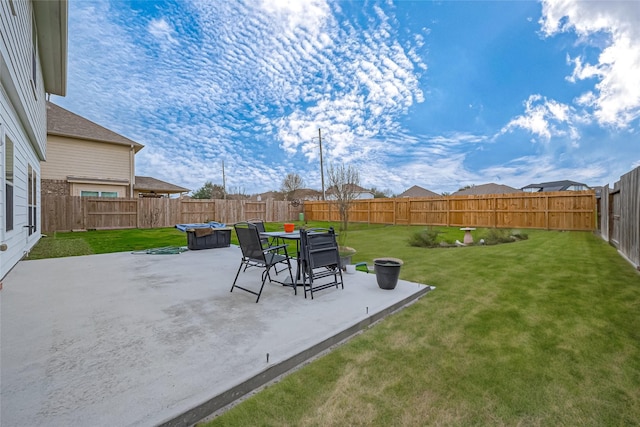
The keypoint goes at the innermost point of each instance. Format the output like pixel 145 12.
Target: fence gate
pixel 614 218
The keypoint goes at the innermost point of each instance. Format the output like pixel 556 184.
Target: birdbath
pixel 468 238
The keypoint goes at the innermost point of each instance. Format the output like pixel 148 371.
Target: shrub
pixel 495 236
pixel 520 235
pixel 427 238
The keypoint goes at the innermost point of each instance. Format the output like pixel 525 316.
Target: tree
pixel 380 194
pixel 344 187
pixel 237 193
pixel 290 184
pixel 209 191
pixel 466 187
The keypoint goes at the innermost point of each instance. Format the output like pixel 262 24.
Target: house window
pixel 32 201
pixel 8 179
pixel 99 194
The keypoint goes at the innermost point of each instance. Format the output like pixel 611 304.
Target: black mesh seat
pixel 320 260
pixel 266 242
pixel 259 223
pixel 254 254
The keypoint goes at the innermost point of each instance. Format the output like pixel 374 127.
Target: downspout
pixel 132 171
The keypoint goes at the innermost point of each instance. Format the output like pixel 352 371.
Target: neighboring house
pixel 269 195
pixel 555 186
pixel 146 186
pixel 33 63
pixel 491 188
pixel 299 194
pixel 86 159
pixel 306 194
pixel 359 193
pixel 417 191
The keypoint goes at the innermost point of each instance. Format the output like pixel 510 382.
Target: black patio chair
pixel 320 260
pixel 259 223
pixel 255 255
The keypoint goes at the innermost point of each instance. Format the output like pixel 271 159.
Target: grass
pixel 105 241
pixel 543 331
pixel 63 244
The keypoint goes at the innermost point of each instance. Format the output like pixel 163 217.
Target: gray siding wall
pixel 23 120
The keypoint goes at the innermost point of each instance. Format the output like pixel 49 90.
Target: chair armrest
pixel 275 248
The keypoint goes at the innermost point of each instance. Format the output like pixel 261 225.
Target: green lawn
pixel 105 241
pixel 544 331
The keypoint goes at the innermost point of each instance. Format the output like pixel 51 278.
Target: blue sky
pixel 440 94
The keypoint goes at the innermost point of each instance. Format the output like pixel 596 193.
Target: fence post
pixel 84 201
pixel 610 215
pixel 495 211
pixel 546 212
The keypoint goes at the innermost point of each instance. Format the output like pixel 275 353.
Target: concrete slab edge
pixel 206 409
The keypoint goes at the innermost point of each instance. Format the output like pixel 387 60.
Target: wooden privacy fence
pixel 561 210
pixel 620 216
pixel 65 213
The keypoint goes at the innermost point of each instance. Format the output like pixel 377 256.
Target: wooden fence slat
pixel 619 216
pixel 566 210
pixel 66 213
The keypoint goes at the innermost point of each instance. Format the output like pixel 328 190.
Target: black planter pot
pixel 387 272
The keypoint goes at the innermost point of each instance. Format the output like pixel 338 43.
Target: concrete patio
pixel 140 340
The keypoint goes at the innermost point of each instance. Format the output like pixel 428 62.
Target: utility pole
pixel 321 165
pixel 224 184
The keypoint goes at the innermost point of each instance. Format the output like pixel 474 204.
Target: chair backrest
pixel 249 240
pixel 319 248
pixel 259 223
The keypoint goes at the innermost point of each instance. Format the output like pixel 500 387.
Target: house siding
pixel 69 157
pixel 18 240
pixel 17 72
pixel 23 121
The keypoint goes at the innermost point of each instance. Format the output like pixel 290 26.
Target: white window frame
pixel 105 194
pixel 32 200
pixel 8 178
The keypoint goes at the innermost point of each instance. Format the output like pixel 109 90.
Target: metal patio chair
pixel 255 255
pixel 320 260
pixel 259 223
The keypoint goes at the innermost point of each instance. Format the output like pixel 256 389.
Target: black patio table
pixel 294 235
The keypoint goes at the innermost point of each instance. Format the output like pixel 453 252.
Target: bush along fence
pixel 620 216
pixel 66 213
pixel 561 210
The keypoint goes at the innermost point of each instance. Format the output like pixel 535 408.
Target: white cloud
pixel 526 170
pixel 615 99
pixel 309 14
pixel 545 119
pixel 249 83
pixel 161 30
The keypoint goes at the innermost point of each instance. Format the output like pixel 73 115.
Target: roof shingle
pixel 489 188
pixel 65 123
pixel 147 183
